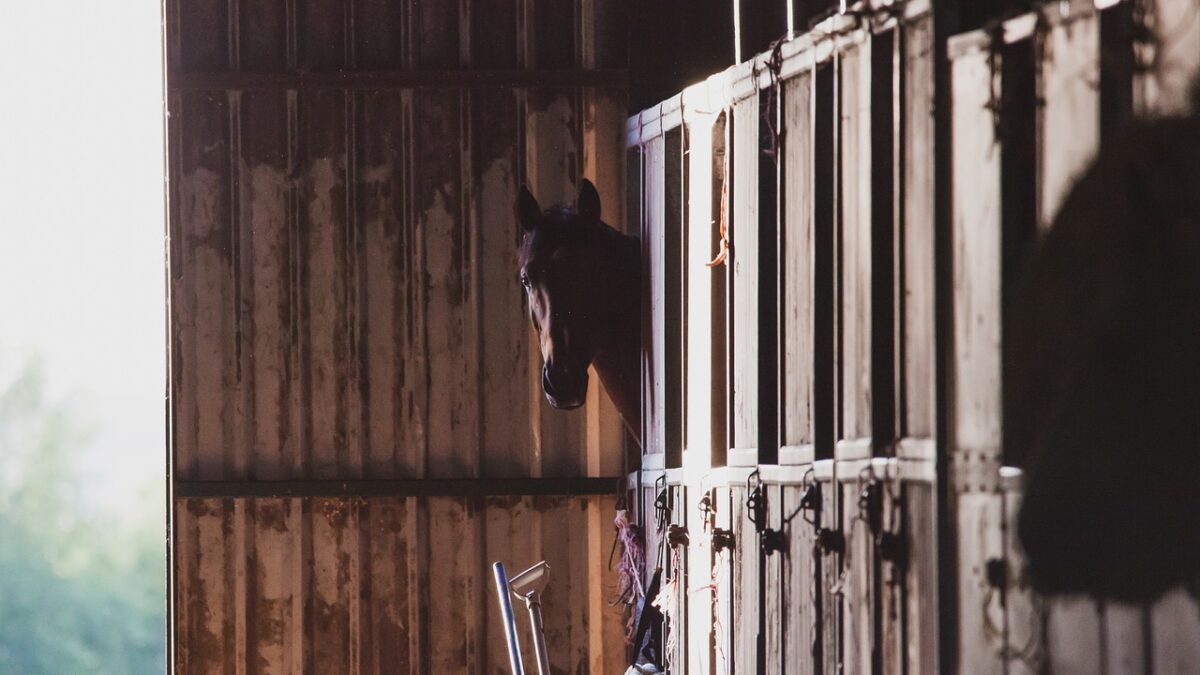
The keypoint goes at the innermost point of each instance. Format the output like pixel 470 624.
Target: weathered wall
pixel 345 307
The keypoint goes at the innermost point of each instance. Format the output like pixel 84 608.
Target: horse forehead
pixel 546 243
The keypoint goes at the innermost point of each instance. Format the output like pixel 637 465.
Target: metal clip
pixel 870 504
pixel 677 535
pixel 893 548
pixel 772 541
pixel 997 573
pixel 831 541
pixel 756 503
pixel 722 539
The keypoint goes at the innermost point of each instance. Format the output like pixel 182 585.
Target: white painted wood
pixel 1175 624
pixel 1073 636
pixel 1124 644
pixel 1070 71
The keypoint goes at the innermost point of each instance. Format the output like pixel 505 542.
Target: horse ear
pixel 589 201
pixel 529 214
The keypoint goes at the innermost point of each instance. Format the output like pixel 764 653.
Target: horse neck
pixel 618 360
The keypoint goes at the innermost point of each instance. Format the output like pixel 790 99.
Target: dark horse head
pixel 582 281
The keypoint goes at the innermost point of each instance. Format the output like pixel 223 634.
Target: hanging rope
pixel 667 602
pixel 723 253
pixel 629 569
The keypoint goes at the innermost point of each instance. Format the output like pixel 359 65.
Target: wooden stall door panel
pixel 773 602
pixel 1073 637
pixel 857 585
pixel 726 622
pixel 745 589
pixel 654 411
pixel 921 611
pixel 702 334
pixel 1070 72
pixel 831 572
pixel 892 583
pixel 979 526
pixel 976 255
pixel 1163 90
pixel 678 566
pixel 918 358
pixel 1175 630
pixel 1124 638
pixel 744 258
pixel 701 605
pixel 1024 619
pixel 855 256
pixel 800 591
pixel 797 268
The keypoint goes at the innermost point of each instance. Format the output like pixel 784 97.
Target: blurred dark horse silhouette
pixel 582 280
pixel 1104 337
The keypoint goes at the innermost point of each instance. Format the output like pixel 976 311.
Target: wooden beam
pixel 445 487
pixel 400 79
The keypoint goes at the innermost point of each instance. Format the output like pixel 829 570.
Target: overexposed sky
pixel 81 221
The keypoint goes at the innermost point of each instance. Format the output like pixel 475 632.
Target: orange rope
pixel 724 252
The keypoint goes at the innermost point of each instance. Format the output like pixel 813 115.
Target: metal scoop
pixel 528 586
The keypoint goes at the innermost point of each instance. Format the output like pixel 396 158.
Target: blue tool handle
pixel 510 621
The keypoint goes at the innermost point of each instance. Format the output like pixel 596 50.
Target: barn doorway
pixel 82 339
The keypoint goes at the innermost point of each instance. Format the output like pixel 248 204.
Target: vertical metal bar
pixel 539 636
pixel 510 623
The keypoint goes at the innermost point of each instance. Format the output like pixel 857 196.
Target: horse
pixel 1104 337
pixel 583 287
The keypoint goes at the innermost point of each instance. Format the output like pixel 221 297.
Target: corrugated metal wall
pixel 345 309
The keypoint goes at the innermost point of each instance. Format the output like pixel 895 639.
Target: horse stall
pixel 1033 101
pixel 357 427
pixel 828 231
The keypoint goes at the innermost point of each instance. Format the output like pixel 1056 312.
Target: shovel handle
pixel 510 621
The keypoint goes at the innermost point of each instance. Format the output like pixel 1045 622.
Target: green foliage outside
pixel 80 591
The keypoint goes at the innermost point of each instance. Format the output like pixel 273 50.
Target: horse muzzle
pixel 565 390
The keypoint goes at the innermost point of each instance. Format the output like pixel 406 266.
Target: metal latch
pixel 722 539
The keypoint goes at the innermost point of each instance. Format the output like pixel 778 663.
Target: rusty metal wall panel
pixel 344 305
pixel 381 585
pixel 336 256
